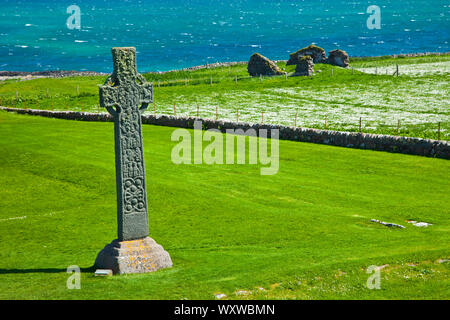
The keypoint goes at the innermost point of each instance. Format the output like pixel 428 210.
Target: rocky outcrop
pixel 316 53
pixel 388 224
pixel 260 65
pixel 338 58
pixel 305 66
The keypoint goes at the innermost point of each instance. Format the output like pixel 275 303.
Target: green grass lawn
pixel 303 233
pixel 417 100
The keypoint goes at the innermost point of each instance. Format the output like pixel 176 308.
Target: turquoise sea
pixel 172 34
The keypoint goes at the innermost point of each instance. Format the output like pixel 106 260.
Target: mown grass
pixel 415 103
pixel 302 233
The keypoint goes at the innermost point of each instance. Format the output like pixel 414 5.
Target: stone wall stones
pixel 406 145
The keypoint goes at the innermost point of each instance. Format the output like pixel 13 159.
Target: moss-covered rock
pixel 305 66
pixel 260 65
pixel 338 58
pixel 317 53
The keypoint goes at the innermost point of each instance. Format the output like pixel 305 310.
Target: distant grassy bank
pixel 416 101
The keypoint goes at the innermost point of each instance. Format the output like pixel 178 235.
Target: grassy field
pixel 416 101
pixel 306 233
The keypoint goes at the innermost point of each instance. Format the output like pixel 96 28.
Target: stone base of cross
pixel 126 95
pixel 133 256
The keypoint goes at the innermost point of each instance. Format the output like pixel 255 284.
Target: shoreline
pixel 227 64
pixel 25 75
pixel 29 75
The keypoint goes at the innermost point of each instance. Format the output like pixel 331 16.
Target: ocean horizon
pixel 174 34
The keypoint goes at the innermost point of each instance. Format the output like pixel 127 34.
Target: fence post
pixel 78 89
pixel 295 120
pixel 325 122
pixel 237 115
pixel 211 80
pixel 159 84
pixel 398 127
pixel 197 111
pixel 360 124
pixel 174 110
pixel 262 117
pixel 397 69
pixel 217 113
pixel 47 92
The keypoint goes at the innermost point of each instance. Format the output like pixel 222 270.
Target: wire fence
pixel 288 116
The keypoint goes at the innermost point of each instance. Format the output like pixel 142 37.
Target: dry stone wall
pixel 378 142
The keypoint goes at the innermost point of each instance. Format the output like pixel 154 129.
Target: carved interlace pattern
pixel 132 162
pixel 122 95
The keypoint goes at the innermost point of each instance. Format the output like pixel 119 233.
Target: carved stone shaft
pixel 125 95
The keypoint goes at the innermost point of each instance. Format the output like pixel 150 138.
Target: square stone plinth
pixel 133 256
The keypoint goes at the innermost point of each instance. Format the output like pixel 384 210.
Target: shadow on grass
pixel 44 270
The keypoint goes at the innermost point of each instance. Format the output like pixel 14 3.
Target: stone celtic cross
pixel 126 95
